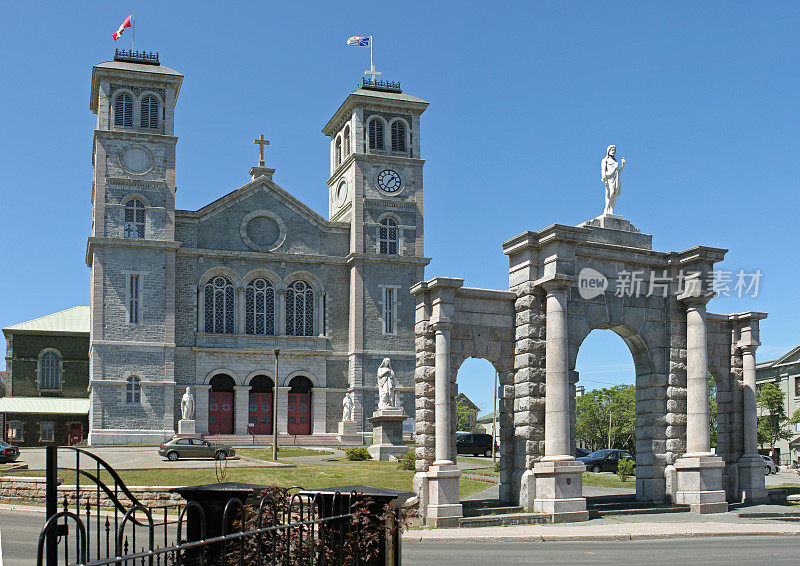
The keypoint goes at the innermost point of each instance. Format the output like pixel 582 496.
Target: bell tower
pixel 375 186
pixel 131 250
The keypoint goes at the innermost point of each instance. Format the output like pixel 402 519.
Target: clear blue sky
pixel 702 100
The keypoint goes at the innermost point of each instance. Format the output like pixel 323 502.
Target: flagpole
pixel 133 37
pixel 371 64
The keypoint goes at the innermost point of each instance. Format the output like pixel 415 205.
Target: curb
pixel 595 538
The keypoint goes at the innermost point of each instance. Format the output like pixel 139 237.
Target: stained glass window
pixel 375 134
pixel 260 307
pixel 219 309
pixel 300 309
pixel 133 289
pixel 398 136
pixel 133 391
pixel 50 371
pixel 149 112
pixel 134 219
pixel 123 110
pixel 388 311
pixel 387 236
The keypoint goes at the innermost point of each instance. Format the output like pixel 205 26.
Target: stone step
pixel 481 511
pixel 505 520
pixel 595 513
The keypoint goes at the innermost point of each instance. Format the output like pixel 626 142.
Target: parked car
pixel 581 452
pixel 194 448
pixel 8 452
pixel 770 467
pixel 605 460
pixel 476 444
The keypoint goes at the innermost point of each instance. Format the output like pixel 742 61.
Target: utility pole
pixel 494 418
pixel 275 412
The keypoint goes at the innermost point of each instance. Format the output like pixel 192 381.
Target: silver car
pixel 769 466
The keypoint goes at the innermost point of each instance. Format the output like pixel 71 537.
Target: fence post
pixel 51 501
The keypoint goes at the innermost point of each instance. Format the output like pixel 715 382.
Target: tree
pixel 712 408
pixel 606 418
pixel 772 423
pixel 465 415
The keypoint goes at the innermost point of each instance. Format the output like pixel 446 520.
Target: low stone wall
pixel 16 489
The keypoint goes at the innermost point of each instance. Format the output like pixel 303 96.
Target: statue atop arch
pixel 610 174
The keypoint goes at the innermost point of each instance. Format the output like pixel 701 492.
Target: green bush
pixel 357 454
pixel 497 466
pixel 626 468
pixel 409 461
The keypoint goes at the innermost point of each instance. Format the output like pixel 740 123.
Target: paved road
pixel 699 551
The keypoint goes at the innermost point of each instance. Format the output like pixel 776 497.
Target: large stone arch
pixel 564 282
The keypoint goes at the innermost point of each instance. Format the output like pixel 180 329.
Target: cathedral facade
pixel 254 299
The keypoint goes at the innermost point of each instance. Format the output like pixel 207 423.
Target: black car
pixel 605 460
pixel 580 452
pixel 8 452
pixel 476 444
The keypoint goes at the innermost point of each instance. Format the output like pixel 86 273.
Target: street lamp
pixel 275 411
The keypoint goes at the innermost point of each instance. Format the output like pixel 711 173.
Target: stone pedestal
pixel 186 428
pixel 443 509
pixel 559 490
pixel 348 432
pixel 700 483
pixel 751 479
pixel 387 434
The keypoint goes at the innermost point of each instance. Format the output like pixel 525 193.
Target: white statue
pixel 610 170
pixel 387 386
pixel 187 405
pixel 347 407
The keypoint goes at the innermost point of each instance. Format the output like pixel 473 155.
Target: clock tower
pixel 375 186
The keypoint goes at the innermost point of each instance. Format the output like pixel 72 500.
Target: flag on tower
pixel 358 41
pixel 126 24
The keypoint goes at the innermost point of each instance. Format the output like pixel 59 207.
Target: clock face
pixel 341 193
pixel 389 181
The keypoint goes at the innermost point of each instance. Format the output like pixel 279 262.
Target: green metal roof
pixel 45 405
pixel 75 319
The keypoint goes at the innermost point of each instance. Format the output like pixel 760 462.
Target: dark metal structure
pixel 102 523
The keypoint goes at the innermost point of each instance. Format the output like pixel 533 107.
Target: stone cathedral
pixel 216 299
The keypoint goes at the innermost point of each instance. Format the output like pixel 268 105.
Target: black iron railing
pixel 375 84
pixel 148 58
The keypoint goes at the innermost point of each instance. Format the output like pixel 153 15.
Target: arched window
pixel 300 309
pixel 375 134
pixel 133 391
pixel 134 219
pixel 149 112
pixel 219 311
pixel 260 307
pixel 398 136
pixel 387 236
pixel 50 371
pixel 123 110
pixel 338 151
pixel 347 141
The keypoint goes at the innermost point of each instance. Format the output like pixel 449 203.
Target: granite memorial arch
pixel 564 282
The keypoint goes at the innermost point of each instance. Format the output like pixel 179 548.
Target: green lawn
pixel 608 480
pixel 308 476
pixel 283 452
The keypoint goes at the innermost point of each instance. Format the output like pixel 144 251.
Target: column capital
pixel 442 325
pixel 695 300
pixel 749 348
pixel 242 388
pixel 556 283
pixel 201 386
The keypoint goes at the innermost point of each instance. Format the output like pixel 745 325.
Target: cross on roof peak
pixel 261 143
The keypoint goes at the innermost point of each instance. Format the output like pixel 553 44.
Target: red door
pixel 220 412
pixel 260 421
pixel 299 413
pixel 75 433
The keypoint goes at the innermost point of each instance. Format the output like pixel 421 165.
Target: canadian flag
pixel 126 24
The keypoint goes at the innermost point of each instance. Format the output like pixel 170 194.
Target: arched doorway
pixel 220 405
pixel 260 405
pixel 299 409
pixel 477 423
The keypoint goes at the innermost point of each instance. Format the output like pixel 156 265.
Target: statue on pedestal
pixel 387 386
pixel 347 407
pixel 610 173
pixel 187 405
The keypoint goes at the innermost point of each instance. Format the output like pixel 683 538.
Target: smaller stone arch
pixel 223 270
pixel 315 381
pixel 223 371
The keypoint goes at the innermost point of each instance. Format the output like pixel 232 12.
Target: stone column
pixel 283 410
pixel 699 472
pixel 241 408
pixel 319 409
pixel 558 477
pixel 201 408
pixel 752 487
pixel 444 508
